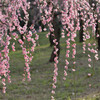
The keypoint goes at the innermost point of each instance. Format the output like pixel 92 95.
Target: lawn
pixel 42 72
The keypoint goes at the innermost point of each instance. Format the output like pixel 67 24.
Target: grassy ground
pixel 42 72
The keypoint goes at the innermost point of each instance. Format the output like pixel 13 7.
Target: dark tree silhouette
pixel 56 35
pixel 34 17
pixel 93 4
pixel 81 28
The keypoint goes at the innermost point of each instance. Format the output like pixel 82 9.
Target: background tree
pixel 11 18
pixel 94 6
pixel 55 35
pixel 81 27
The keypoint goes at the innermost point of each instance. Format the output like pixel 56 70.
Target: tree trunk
pixel 54 55
pixel 55 35
pixel 98 33
pixel 51 38
pixel 97 24
pixel 22 37
pixel 81 31
pixel 57 32
pixel 98 43
pixel 81 27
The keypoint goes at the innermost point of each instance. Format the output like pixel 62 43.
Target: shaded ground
pixel 42 72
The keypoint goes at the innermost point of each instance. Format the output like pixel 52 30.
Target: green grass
pixel 42 72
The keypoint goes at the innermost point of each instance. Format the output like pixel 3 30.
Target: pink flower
pixel 68 34
pixel 74 45
pixel 54 86
pixel 68 51
pixel 89 60
pixel 37 37
pixel 44 29
pixel 73 70
pixel 55 79
pixel 89 74
pixel 13 47
pixel 90 85
pixel 66 67
pixel 53 92
pixel 65 73
pixel 52 98
pixel 40 29
pixel 67 62
pixel 68 47
pixel 74 62
pixel 67 55
pixel 4 89
pixel 20 41
pixel 89 65
pixel 51 29
pixel 64 78
pixel 89 44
